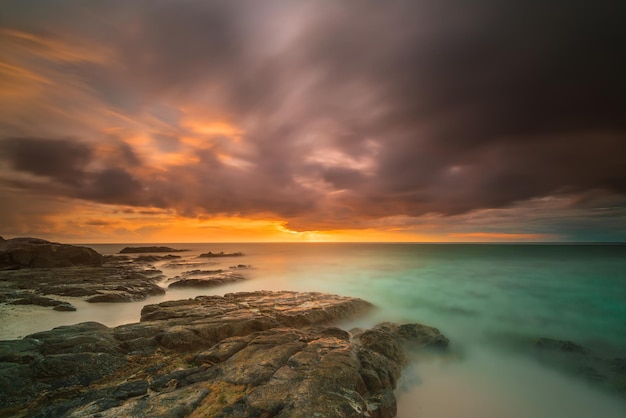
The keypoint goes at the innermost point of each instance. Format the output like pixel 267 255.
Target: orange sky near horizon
pixel 83 222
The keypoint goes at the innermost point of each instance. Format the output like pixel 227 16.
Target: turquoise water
pixel 492 301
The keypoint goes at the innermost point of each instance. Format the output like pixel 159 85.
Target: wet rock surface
pixel 20 253
pixel 206 278
pixel 32 299
pixel 254 354
pixel 113 281
pixel 186 264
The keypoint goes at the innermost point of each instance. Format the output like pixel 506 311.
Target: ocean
pixel 491 300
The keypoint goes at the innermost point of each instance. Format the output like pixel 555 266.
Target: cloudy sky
pixel 422 120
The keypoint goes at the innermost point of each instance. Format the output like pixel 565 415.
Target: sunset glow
pixel 215 122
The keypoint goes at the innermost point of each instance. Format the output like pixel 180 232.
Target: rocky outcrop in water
pixel 221 254
pixel 153 258
pixel 114 281
pixel 240 267
pixel 257 354
pixel 206 278
pixel 32 299
pixel 19 253
pixel 152 249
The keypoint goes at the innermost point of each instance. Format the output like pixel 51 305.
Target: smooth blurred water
pixel 490 300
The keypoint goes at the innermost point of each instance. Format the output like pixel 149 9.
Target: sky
pixel 313 120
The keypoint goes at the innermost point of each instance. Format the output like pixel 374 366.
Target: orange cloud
pixel 212 128
pixel 55 49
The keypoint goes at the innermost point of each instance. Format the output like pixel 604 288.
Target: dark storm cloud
pixel 65 163
pixel 113 185
pixel 443 106
pixel 60 159
pixel 487 103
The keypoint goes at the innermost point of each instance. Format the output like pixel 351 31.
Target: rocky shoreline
pixel 113 281
pixel 253 354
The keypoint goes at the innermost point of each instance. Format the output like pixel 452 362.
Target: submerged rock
pixel 582 362
pixel 189 264
pixel 559 345
pixel 256 354
pixel 38 253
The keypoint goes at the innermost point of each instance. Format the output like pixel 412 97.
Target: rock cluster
pixel 256 354
pixel 153 258
pixel 221 254
pixel 34 252
pixel 114 281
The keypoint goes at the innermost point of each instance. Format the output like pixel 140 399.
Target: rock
pixel 110 298
pixel 582 362
pixel 115 258
pixel 292 309
pixel 189 264
pixel 131 389
pixel 32 299
pixel 89 337
pixel 618 365
pixel 206 278
pixel 38 253
pixel 241 267
pixel 560 345
pixel 153 249
pixel 200 273
pixel 153 258
pixel 221 254
pixel 254 354
pixel 113 281
pixel 54 361
pixel 36 300
pixel 65 307
pixel 19 351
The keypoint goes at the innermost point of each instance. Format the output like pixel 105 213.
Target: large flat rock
pixel 254 354
pixel 206 278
